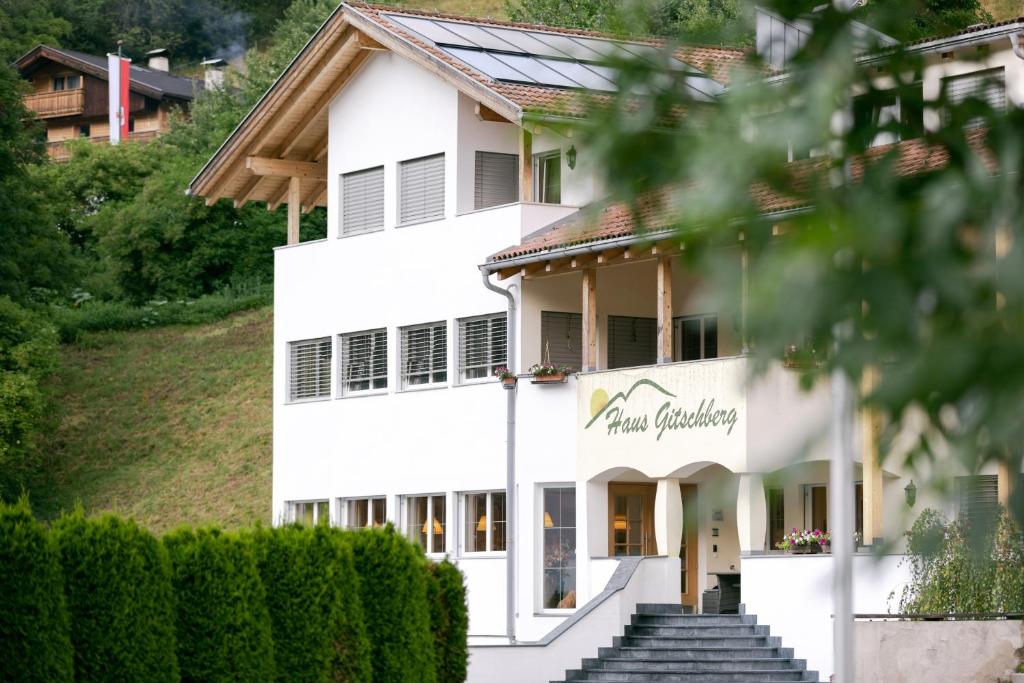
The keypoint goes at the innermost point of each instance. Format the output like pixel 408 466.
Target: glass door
pixel 631 519
pixel 688 547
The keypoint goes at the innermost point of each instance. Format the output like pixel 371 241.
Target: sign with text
pixel 660 419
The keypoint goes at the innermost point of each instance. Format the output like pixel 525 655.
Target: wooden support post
pixel 294 210
pixel 664 310
pixel 1004 483
pixel 744 297
pixel 872 470
pixel 525 165
pixel 589 320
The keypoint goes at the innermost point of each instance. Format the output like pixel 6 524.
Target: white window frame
pixel 342 514
pixel 460 326
pixel 291 507
pixel 539 548
pixel 677 336
pixel 399 219
pixel 403 384
pixel 430 551
pixel 289 379
pixel 352 175
pixel 343 390
pixel 464 515
pixel 539 194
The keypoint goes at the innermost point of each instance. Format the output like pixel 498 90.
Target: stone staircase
pixel 663 643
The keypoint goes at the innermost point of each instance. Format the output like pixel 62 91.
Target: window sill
pixel 343 236
pixel 422 387
pixel 491 555
pixel 438 219
pixel 361 394
pixel 555 612
pixel 477 382
pixel 301 401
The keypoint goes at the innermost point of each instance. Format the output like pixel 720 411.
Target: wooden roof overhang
pixel 284 136
pixel 35 58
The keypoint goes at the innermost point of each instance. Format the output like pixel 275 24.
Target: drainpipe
pixel 510 461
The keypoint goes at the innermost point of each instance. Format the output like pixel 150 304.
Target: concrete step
pixel 687 642
pixel 683 665
pixel 733 676
pixel 679 631
pixel 697 653
pixel 696 620
pixel 663 608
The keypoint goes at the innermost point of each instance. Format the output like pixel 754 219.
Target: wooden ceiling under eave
pixel 290 124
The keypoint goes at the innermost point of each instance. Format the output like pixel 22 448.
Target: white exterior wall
pixel 967 60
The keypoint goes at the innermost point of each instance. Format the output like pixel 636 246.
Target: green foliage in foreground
pixel 449 619
pixel 35 645
pixel 952 571
pixel 316 616
pixel 394 590
pixel 118 586
pixel 223 627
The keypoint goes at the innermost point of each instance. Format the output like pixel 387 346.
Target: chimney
pixel 157 60
pixel 213 73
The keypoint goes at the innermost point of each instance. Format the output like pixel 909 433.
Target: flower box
pixel 556 378
pixel 508 382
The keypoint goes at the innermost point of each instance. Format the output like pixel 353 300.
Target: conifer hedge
pixel 118 590
pixel 449 619
pixel 393 587
pixel 223 627
pixel 35 645
pixel 316 616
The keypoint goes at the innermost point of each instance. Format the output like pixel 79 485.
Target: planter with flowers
pixel 805 542
pixel 549 373
pixel 507 379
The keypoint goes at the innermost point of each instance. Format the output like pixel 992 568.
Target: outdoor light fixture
pixel 570 157
pixel 911 493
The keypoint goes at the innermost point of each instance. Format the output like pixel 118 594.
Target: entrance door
pixel 631 519
pixel 815 507
pixel 688 547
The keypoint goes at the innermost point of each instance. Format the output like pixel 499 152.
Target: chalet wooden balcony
pixel 50 105
pixel 59 150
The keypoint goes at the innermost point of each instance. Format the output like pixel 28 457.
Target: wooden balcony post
pixel 525 165
pixel 664 310
pixel 872 471
pixel 294 210
pixel 589 320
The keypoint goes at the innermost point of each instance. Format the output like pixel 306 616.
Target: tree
pixel 925 18
pixel 25 24
pixel 35 644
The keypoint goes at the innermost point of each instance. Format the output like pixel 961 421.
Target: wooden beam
pixel 506 273
pixel 582 261
pixel 609 255
pixel 294 210
pixel 664 310
pixel 485 113
pixel 556 265
pixel 286 168
pixel 243 196
pixel 525 165
pixel 314 199
pixel 589 308
pixel 365 42
pixel 872 469
pixel 530 268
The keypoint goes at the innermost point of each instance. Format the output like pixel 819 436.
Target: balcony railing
pixel 50 105
pixel 59 150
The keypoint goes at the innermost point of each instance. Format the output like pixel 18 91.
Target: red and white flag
pixel 117 103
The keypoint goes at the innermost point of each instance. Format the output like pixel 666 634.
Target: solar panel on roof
pixel 538 70
pixel 478 36
pixel 589 76
pixel 431 30
pixel 526 42
pixel 488 65
pixel 568 46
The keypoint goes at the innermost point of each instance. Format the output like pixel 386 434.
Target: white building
pixel 438 144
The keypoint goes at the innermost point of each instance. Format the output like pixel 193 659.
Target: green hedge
pixel 313 599
pixel 223 627
pixel 449 619
pixel 393 587
pixel 118 589
pixel 35 645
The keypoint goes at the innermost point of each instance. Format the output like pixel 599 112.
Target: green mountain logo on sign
pixel 669 416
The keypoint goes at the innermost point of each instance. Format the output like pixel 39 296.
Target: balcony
pixel 59 150
pixel 49 105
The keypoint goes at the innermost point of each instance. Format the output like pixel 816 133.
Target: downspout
pixel 510 461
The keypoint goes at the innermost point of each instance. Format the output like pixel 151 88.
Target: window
pixel 362 201
pixel 989 86
pixel 484 515
pixel 131 124
pixel 776 516
pixel 631 341
pixel 421 189
pixel 815 506
pixel 309 512
pixel 547 169
pixel 84 130
pixel 59 83
pixel 497 179
pixel 561 338
pixel 978 499
pixel 73 82
pixel 482 342
pixel 559 533
pixel 364 513
pixel 875 110
pixel 362 361
pixel 425 522
pixel 696 337
pixel 424 354
pixel 309 369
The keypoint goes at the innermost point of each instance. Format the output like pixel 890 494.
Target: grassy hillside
pixel 494 9
pixel 1004 9
pixel 170 425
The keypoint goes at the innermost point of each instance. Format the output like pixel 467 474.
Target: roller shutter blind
pixel 561 335
pixel 421 189
pixel 631 341
pixel 978 498
pixel 309 369
pixel 482 345
pixel 362 201
pixel 363 361
pixel 497 179
pixel 424 354
pixel 988 85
